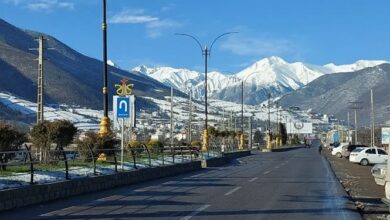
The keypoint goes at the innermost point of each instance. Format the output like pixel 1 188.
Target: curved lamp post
pixel 205 53
pixel 105 121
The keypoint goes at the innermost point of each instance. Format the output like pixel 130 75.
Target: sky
pixel 143 31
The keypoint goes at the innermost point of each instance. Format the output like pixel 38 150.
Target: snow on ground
pixel 47 176
pixel 83 119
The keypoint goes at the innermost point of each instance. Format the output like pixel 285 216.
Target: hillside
pixel 70 77
pixel 332 94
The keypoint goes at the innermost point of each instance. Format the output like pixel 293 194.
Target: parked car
pixel 379 173
pixel 365 156
pixel 348 149
pixel 337 150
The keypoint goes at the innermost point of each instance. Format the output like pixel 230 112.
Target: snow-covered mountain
pixel 360 64
pixel 271 75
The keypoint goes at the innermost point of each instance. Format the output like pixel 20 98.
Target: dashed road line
pixel 192 214
pixel 266 172
pixel 232 191
pixel 253 179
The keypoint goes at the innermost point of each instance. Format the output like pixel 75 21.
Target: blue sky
pixel 143 31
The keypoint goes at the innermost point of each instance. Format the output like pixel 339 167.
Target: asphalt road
pixel 297 184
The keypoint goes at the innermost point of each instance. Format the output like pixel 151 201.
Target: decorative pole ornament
pixel 124 89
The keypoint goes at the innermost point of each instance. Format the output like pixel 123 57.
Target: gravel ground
pixel 360 185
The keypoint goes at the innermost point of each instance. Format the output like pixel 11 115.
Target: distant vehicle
pixel 337 150
pixel 294 108
pixel 72 155
pixel 364 156
pixel 256 146
pixel 20 155
pixel 379 173
pixel 348 149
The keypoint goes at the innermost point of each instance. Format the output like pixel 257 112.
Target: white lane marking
pixel 169 182
pixel 266 172
pixel 232 191
pixel 276 167
pixel 253 179
pixel 192 214
pixel 197 175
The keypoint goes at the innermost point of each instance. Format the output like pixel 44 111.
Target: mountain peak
pixel 273 60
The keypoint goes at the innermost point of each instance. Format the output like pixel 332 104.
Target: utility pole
pixel 355 107
pixel 190 118
pixel 231 121
pixel 171 117
pixel 349 137
pixel 250 133
pixel 269 112
pixel 372 120
pixel 40 80
pixel 242 140
pixel 223 119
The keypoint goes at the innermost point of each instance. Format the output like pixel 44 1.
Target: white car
pixel 365 156
pixel 337 150
pixel 379 173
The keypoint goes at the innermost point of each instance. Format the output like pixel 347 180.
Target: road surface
pixel 296 184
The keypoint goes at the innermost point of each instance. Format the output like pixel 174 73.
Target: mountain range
pixel 335 93
pixel 271 75
pixel 75 79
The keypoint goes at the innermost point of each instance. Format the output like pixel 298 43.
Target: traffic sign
pixel 123 107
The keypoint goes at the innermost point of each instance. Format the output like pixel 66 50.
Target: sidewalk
pixel 360 185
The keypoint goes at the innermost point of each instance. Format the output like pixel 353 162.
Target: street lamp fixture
pixel 105 121
pixel 205 53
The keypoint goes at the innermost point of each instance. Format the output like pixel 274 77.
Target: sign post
pixel 123 111
pixel 123 108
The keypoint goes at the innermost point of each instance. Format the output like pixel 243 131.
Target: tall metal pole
pixel 171 117
pixel 269 112
pixel 105 121
pixel 349 137
pixel 241 147
pixel 250 132
pixel 190 120
pixel 206 53
pixel 372 120
pixel 355 127
pixel 40 80
pixel 205 131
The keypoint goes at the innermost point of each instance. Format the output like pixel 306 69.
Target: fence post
pixel 147 151
pixel 93 159
pixel 66 163
pixel 173 153
pixel 181 152
pixel 163 155
pixel 31 164
pixel 115 161
pixel 134 159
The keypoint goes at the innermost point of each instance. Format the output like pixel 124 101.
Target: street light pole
pixel 241 147
pixel 105 121
pixel 205 52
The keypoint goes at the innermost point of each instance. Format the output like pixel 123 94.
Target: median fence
pixel 28 177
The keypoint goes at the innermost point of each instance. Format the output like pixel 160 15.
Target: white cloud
pixel 132 16
pixel 154 25
pixel 256 46
pixel 42 5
